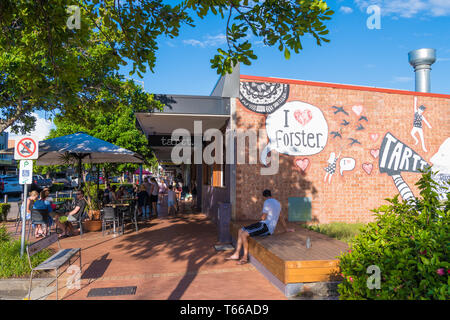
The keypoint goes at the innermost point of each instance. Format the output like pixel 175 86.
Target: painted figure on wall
pixel 331 169
pixel 417 124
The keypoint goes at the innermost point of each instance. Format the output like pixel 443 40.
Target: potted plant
pixel 93 204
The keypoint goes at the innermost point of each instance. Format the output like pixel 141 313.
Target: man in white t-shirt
pixel 270 214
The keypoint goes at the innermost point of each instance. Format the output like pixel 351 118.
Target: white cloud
pixel 345 10
pixel 408 8
pixel 208 41
pixel 41 130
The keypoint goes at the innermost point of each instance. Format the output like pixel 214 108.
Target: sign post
pixel 25 150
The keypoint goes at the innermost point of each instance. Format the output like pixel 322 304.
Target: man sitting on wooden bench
pixel 270 214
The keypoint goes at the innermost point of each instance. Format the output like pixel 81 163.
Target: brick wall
pixel 351 196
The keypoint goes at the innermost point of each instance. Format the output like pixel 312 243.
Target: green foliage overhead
pixel 117 125
pixel 409 243
pixel 50 63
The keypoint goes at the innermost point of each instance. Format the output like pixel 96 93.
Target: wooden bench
pixel 52 263
pixel 286 258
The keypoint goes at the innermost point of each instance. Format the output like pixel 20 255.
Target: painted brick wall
pixel 351 196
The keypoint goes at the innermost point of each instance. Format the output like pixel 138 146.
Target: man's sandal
pixel 241 262
pixel 229 258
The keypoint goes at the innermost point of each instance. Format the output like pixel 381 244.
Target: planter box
pixel 92 225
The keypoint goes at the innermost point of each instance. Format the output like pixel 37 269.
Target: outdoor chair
pixel 109 217
pixel 79 223
pixel 130 214
pixel 38 217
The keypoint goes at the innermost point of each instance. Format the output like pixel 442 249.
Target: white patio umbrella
pixel 86 148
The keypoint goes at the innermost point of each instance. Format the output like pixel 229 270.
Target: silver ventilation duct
pixel 421 60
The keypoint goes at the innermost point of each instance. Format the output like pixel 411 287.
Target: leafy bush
pixel 11 264
pixel 338 230
pixel 409 242
pixel 4 235
pixel 4 210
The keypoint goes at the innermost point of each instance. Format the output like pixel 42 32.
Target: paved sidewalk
pixel 168 258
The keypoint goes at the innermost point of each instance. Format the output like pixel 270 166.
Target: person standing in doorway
pixel 269 219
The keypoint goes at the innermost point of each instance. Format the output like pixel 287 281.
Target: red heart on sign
pixel 303 117
pixel 367 167
pixel 302 163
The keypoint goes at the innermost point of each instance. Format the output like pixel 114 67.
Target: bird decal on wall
pixel 360 127
pixel 336 134
pixel 345 123
pixel 363 118
pixel 353 141
pixel 339 109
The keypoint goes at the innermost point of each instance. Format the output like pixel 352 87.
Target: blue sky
pixel 356 55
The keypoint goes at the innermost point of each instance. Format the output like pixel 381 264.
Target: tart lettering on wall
pixel 263 97
pixel 395 158
pixel 297 129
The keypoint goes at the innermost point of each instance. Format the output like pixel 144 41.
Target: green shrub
pixel 409 243
pixel 338 230
pixel 11 264
pixel 4 235
pixel 4 210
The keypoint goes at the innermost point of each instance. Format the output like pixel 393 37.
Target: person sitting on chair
pixel 43 208
pixel 270 214
pixel 65 224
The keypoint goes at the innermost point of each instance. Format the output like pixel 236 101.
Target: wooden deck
pixel 285 254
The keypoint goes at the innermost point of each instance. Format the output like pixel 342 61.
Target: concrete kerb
pixel 17 289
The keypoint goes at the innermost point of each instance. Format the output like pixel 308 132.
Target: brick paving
pixel 169 258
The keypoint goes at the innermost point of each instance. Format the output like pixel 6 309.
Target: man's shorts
pixel 153 198
pixel 257 229
pixel 170 203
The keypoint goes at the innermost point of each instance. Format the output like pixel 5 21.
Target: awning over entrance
pixel 180 112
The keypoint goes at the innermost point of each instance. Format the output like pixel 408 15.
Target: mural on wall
pixel 263 97
pixel 300 129
pixel 301 164
pixel 297 129
pixel 331 168
pixel 441 164
pixel 417 124
pixel 348 128
pixel 346 164
pixel 396 157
